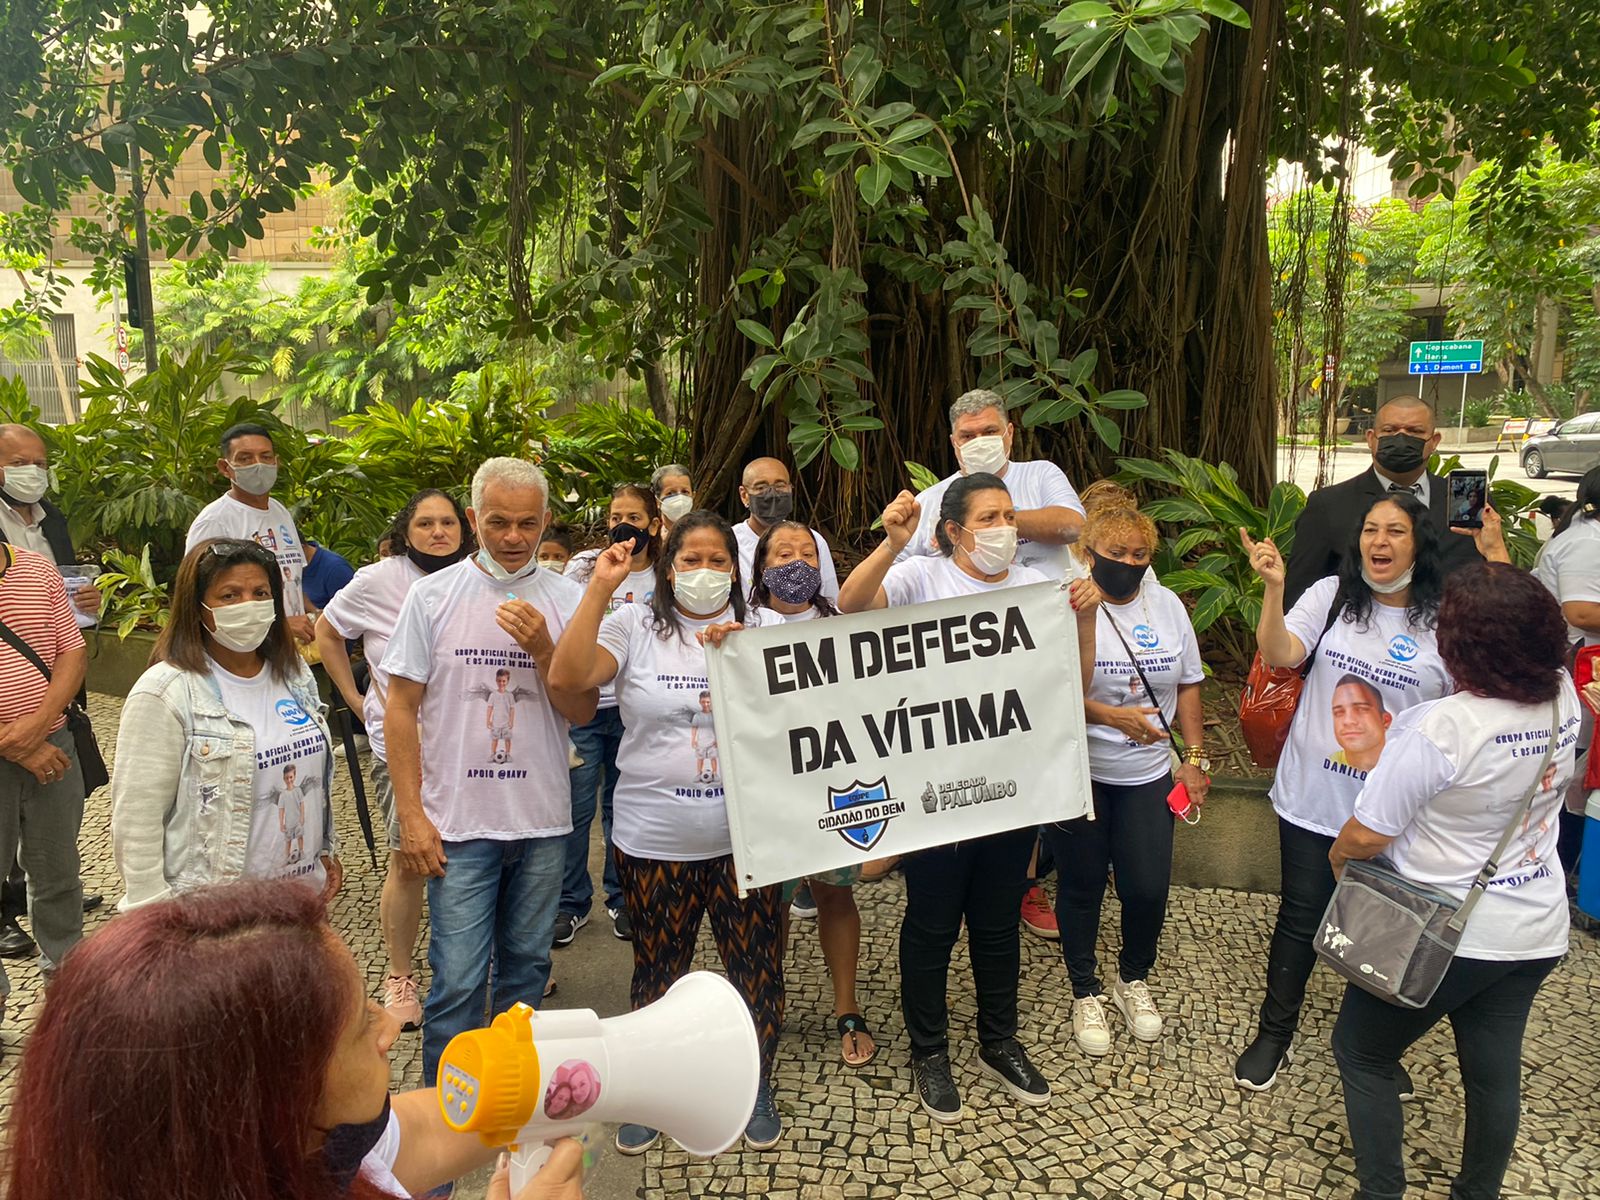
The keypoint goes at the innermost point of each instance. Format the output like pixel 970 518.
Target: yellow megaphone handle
pixel 489 1078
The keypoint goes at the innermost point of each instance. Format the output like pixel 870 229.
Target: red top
pixel 33 602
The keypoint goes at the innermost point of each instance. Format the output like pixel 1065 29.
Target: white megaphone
pixel 688 1065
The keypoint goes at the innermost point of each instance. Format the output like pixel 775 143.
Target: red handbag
pixel 1267 704
pixel 1583 672
pixel 1266 707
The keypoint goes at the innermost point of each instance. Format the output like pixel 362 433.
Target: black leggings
pixel 1487 1003
pixel 1131 834
pixel 981 882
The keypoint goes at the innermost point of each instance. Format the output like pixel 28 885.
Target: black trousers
pixel 1307 886
pixel 979 881
pixel 1131 834
pixel 1487 1004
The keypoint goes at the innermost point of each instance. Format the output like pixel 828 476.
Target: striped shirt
pixel 33 603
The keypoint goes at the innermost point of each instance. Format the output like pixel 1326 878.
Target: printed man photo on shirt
pixel 703 737
pixel 1360 723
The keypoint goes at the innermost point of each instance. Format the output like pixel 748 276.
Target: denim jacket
pixel 183 787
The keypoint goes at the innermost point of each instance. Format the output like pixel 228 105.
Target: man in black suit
pixel 1402 439
pixel 28 520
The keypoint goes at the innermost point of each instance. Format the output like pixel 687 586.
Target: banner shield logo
pixel 862 836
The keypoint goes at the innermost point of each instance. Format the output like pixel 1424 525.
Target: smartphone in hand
pixel 1467 497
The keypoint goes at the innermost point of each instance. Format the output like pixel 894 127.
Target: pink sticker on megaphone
pixel 574 1089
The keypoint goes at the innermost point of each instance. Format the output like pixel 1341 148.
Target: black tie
pixel 1415 489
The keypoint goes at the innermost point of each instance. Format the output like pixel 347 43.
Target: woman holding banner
pixel 672 846
pixel 1147 676
pixel 979 882
pixel 788 580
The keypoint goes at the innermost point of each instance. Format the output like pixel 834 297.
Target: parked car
pixel 1571 448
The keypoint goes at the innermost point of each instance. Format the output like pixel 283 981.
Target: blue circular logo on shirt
pixel 291 712
pixel 1145 638
pixel 1402 648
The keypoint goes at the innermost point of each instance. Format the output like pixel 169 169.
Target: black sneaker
pixel 1258 1067
pixel 935 1087
pixel 620 925
pixel 567 927
pixel 1007 1064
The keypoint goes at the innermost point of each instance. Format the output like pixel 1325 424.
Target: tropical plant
pixel 133 597
pixel 1477 412
pixel 1512 500
pixel 1202 558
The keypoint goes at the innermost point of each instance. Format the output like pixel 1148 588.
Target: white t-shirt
pixel 747 539
pixel 271 527
pixel 377 1168
pixel 368 608
pixel 808 613
pixel 476 782
pixel 1157 628
pixel 669 802
pixel 1317 781
pixel 925 578
pixel 1037 484
pixel 639 587
pixel 286 818
pixel 1569 565
pixel 1451 777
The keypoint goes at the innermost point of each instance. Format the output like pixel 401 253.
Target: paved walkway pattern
pixel 1146 1122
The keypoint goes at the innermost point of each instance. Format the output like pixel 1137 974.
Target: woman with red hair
pixel 221 1046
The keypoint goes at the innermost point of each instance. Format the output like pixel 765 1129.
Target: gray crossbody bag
pixel 1395 938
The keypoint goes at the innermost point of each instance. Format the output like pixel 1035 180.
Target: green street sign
pixel 1446 358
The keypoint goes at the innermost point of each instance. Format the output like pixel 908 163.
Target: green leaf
pixel 1226 10
pixel 909 130
pixel 212 149
pixel 1084 10
pixel 1122 398
pixel 1086 56
pixel 845 452
pixel 873 180
pixel 1211 606
pixel 758 333
pixel 1109 433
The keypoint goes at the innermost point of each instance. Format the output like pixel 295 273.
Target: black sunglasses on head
pixel 231 548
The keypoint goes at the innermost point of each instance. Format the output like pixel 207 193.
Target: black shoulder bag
pixel 90 761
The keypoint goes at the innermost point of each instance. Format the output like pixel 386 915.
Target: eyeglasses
pixel 231 548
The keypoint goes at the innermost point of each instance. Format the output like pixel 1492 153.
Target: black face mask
pixel 347 1145
pixel 636 538
pixel 1400 452
pixel 435 562
pixel 1118 580
pixel 771 507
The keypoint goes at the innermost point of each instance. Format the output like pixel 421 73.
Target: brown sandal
pixel 852 1028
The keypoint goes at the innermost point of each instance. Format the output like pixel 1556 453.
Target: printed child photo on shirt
pixel 500 714
pixel 1360 723
pixel 703 738
pixel 291 800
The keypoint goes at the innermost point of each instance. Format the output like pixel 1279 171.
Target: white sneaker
pixel 1089 1025
pixel 1138 1008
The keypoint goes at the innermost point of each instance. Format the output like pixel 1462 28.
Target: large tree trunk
pixel 1166 232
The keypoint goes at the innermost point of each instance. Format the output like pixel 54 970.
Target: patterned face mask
pixel 795 582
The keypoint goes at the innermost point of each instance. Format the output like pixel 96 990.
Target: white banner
pixel 857 737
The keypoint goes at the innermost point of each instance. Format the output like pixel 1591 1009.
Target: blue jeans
pixel 496 902
pixel 597 744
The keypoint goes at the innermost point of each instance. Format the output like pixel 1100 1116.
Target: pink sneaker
pixel 400 1000
pixel 1038 916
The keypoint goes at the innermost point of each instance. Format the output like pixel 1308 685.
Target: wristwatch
pixel 1195 756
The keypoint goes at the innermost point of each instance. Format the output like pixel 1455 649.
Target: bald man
pixel 1402 439
pixel 767 491
pixel 28 520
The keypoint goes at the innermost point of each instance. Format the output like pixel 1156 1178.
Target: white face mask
pixel 496 571
pixel 1390 588
pixel 675 508
pixel 243 626
pixel 704 592
pixel 993 549
pixel 26 484
pixel 984 454
pixel 557 565
pixel 257 478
